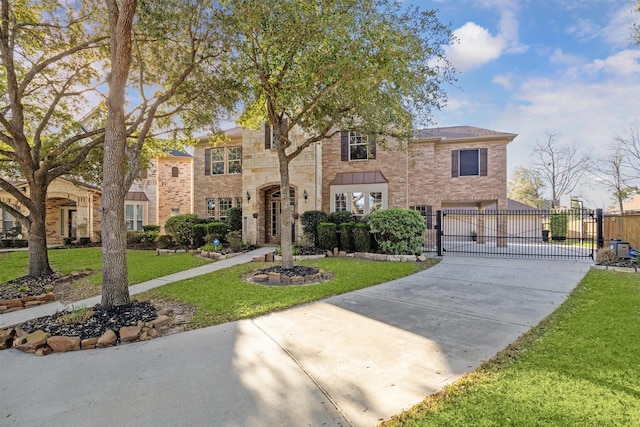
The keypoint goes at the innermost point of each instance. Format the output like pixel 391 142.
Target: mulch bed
pixel 27 286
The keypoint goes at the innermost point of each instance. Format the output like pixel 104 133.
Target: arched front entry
pixel 272 214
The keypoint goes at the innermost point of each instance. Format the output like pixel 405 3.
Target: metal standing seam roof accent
pixel 136 196
pixel 349 178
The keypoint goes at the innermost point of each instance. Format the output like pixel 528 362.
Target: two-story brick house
pixel 450 167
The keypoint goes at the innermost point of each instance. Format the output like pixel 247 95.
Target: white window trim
pixel 366 145
pixel 145 208
pixel 360 188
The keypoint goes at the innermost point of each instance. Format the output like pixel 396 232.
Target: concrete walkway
pixel 353 359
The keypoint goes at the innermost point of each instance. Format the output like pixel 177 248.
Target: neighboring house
pixel 165 188
pixel 631 206
pixel 73 211
pixel 450 167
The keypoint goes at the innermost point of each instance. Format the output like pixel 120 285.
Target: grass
pixel 223 296
pixel 578 367
pixel 142 265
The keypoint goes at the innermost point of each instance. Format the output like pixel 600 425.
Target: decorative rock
pixel 6 338
pixel 30 343
pixel 43 351
pixel 261 278
pixel 130 333
pixel 165 312
pixel 88 343
pixel 297 279
pixel 61 344
pixel 153 333
pixel 32 303
pixel 259 258
pixel 421 258
pixel 269 257
pixel 329 254
pixel 11 303
pixel 107 339
pixel 336 251
pixel 9 310
pixel 162 322
pixel 46 297
pixel 28 298
pixel 274 277
pixel 342 254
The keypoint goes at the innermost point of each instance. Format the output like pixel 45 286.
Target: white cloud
pixel 475 47
pixel 619 30
pixel 503 80
pixel 559 57
pixel 623 63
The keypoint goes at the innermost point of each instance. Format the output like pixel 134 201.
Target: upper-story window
pixel 175 172
pixel 469 162
pixel 234 158
pixel 217 161
pixel 269 135
pixel 216 158
pixel 357 146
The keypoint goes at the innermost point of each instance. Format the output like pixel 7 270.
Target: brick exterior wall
pixel 173 192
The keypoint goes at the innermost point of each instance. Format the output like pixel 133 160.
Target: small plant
pixel 75 316
pixel 23 288
pixel 207 248
pixel 235 240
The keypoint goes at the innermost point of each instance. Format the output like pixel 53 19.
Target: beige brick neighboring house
pixel 460 166
pixel 164 189
pixel 73 211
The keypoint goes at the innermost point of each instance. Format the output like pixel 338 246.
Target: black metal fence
pixel 567 234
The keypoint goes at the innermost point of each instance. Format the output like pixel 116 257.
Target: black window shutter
pixel 483 162
pixel 207 161
pixel 455 154
pixel 344 145
pixel 267 136
pixel 372 146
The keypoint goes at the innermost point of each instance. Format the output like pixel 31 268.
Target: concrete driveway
pixel 353 359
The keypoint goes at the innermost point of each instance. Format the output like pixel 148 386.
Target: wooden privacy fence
pixel 624 227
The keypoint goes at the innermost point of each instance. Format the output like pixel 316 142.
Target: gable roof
pixel 460 132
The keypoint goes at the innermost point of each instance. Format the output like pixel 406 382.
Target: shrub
pixel 361 237
pixel 558 224
pixel 338 217
pixel 84 241
pixel 181 228
pixel 6 243
pixel 398 231
pixel 20 243
pixel 134 237
pixel 346 236
pixel 165 241
pixel 310 221
pixel 327 238
pixel 234 219
pixel 216 230
pixel 151 228
pixel 199 235
pixel 606 256
pixel 235 240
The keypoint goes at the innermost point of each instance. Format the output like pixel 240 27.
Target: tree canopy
pixel 371 66
pixel 525 186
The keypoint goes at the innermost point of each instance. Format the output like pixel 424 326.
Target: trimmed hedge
pixel 398 231
pixel 182 228
pixel 310 221
pixel 346 236
pixel 327 235
pixel 151 228
pixel 338 217
pixel 361 237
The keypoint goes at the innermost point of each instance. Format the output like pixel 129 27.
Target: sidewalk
pixel 21 316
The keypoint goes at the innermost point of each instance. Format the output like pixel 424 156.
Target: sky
pixel 534 67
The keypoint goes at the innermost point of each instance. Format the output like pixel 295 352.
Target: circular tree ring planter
pixel 279 276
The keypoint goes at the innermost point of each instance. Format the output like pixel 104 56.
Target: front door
pixel 273 214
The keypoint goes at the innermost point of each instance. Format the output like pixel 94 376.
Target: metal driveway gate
pixel 567 234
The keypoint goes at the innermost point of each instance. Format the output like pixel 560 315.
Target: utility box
pixel 620 248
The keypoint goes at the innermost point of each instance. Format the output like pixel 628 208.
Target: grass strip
pixel 578 367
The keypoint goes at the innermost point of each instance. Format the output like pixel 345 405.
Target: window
pixel 175 211
pixel 134 216
pixel 238 201
pixel 427 214
pixel 341 202
pixel 358 146
pixel 225 205
pixel 217 161
pixel 7 221
pixel 469 162
pixel 174 172
pixel 211 208
pixel 357 204
pixel 375 201
pixel 234 157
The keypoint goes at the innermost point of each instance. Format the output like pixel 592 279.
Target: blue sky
pixel 532 67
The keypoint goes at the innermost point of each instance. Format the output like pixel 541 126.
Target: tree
pixel 612 172
pixel 50 54
pixel 526 186
pixel 331 65
pixel 561 166
pixel 177 58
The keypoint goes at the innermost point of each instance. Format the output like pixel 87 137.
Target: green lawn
pixel 222 296
pixel 579 367
pixel 142 265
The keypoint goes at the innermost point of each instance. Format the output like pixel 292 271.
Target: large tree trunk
pixel 286 216
pixel 38 254
pixel 115 289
